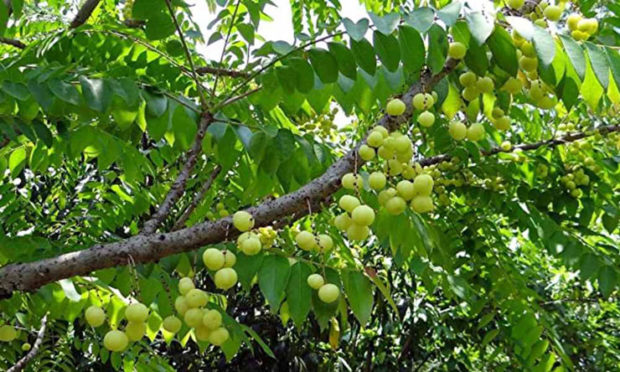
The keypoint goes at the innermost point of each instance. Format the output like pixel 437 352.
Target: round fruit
pixel 202 333
pixel 385 152
pixel 553 12
pixel 115 340
pixel 315 281
pixel 402 144
pixel 185 285
pixel 375 139
pixel 26 347
pixel 528 63
pixel 229 259
pixel 250 246
pixel 212 319
pixel 377 180
pixel 366 152
pixel 325 242
pixel 467 79
pixel 422 204
pixel 95 316
pixel 386 195
pixel 588 25
pixel 457 50
pixel 172 324
pixel 382 130
pixel 180 305
pixel 305 240
pixel 394 167
pixel 506 146
pixel 329 293
pixel 193 317
pixel 352 181
pixel 357 232
pixel 348 203
pixel 136 312
pixel 515 4
pixel 457 130
pixel 395 205
pixel 497 113
pixel 572 21
pixel 7 333
pixel 196 298
pixel 243 221
pixel 363 215
pixel 421 101
pixel 578 35
pixel 135 330
pixel 213 258
pixel 342 222
pixel 225 278
pixel 423 185
pixel 485 84
pixel 528 50
pixel 475 132
pixel 405 190
pixel 426 119
pixel 512 85
pixel 219 336
pixel 470 93
pixel 396 107
pixel 502 123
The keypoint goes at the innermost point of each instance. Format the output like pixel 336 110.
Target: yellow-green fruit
pixel 315 281
pixel 329 293
pixel 528 50
pixel 202 333
pixel 502 123
pixel 512 85
pixel 352 181
pixel 475 132
pixel 572 21
pixel 135 330
pixel 212 319
pixel 305 240
pixel 95 316
pixel 225 278
pixel 515 4
pixel 348 203
pixel 385 152
pixel 172 324
pixel 553 12
pixel 342 222
pixel 423 185
pixel 588 25
pixel 363 215
pixel 537 90
pixel 506 146
pixel 366 152
pixel 457 50
pixel 579 35
pixel 426 119
pixel 405 190
pixel 250 246
pixel 402 144
pixel 395 205
pixel 357 232
pixel 213 258
pixel 243 221
pixel 26 346
pixel 219 336
pixel 196 298
pixel 115 340
pixel 497 113
pixel 185 285
pixel 467 79
pixel 7 333
pixel 421 101
pixel 396 107
pixel 136 313
pixel 470 93
pixel 546 103
pixel 375 139
pixel 377 180
pixel 193 317
pixel 386 195
pixel 394 167
pixel 528 63
pixel 325 243
pixel 457 130
pixel 180 305
pixel 485 85
pixel 422 204
pixel 229 259
pixel 381 130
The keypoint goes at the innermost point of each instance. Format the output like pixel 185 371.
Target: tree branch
pixel 221 72
pixel 23 362
pixel 13 42
pixel 84 13
pixel 197 198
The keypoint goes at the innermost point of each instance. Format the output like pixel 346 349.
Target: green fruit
pixel 457 50
pixel 243 221
pixel 26 346
pixel 528 50
pixel 377 180
pixel 573 21
pixel 467 79
pixel 485 85
pixel 202 333
pixel 357 232
pixel 386 195
pixel 528 64
pixel 588 25
pixel 193 317
pixel 315 281
pixel 180 305
pixel 375 139
pixel 329 293
pixel 506 146
pixel 457 130
pixel 366 152
pixel 95 316
pixel 172 324
pixel 515 4
pixel 385 152
pixel 394 167
pixel 250 246
pixel 325 243
pixel 395 205
pixel 470 93
pixel 422 204
pixel 352 181
pixel 185 285
pixel 423 185
pixel 7 333
pixel 426 119
pixel 219 336
pixel 422 101
pixel 512 85
pixel 402 144
pixel 475 132
pixel 306 240
pixel 136 313
pixel 381 130
pixel 230 259
pixel 135 330
pixel 553 13
pixel 405 190
pixel 115 340
pixel 212 319
pixel 396 107
pixel 497 113
pixel 342 222
pixel 213 258
pixel 225 278
pixel 578 35
pixel 502 123
pixel 363 215
pixel 348 203
pixel 196 298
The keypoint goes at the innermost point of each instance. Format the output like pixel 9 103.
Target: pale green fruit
pixel 394 167
pixel 135 331
pixel 381 130
pixel 225 278
pixel 395 205
pixel 95 316
pixel 419 101
pixel 506 146
pixel 357 232
pixel 402 144
pixel 352 181
pixel 26 346
pixel 243 221
pixel 546 103
pixel 467 79
pixel 528 64
pixel 212 319
pixel 202 333
pixel 389 143
pixel 342 222
pixel 423 185
pixel 229 259
pixel 386 195
pixel 7 333
pixel 219 336
pixel 213 259
pixel 377 180
pixel 193 317
pixel 512 85
pixel 470 93
pixel 306 240
pixel 363 215
pixel 457 130
pixel 588 25
pixel 315 281
pixel 485 85
pixel 408 172
pixel 553 13
pixel 502 123
pixel 422 204
pixel 457 50
pixel 405 190
pixel 396 107
pixel 497 112
pixel 375 139
pixel 196 298
pixel 250 246
pixel 385 152
pixel 325 242
pixel 366 152
pixel 572 21
pixel 515 4
pixel 426 119
pixel 329 293
pixel 185 285
pixel 475 132
pixel 172 324
pixel 579 35
pixel 115 340
pixel 180 305
pixel 348 203
pixel 537 90
pixel 528 49
pixel 136 312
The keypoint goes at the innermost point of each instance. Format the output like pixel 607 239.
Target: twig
pixel 134 23
pixel 84 13
pixel 236 98
pixel 221 72
pixel 21 364
pixel 232 23
pixel 197 198
pixel 14 42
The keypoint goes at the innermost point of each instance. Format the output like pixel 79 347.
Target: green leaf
pixel 299 293
pixel 287 78
pixel 437 48
pixel 607 280
pixel 575 54
pixel 273 278
pixel 345 59
pixel 421 18
pixel 69 289
pixel 97 93
pixel 542 40
pixel 356 30
pixel 411 48
pixel 258 340
pixel 385 291
pixel 450 13
pixel 489 336
pixel 17 90
pixel 364 55
pixel 387 49
pixel 476 59
pixel 599 63
pixel 43 133
pixel 65 91
pixel 247 267
pixel 503 50
pixel 17 161
pixel 184 127
pixel 480 25
pixel 385 24
pixel 589 266
pixel 360 294
pixel 324 64
pixel 305 74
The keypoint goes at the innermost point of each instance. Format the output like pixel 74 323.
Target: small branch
pixel 13 42
pixel 232 23
pixel 134 23
pixel 236 98
pixel 21 364
pixel 197 199
pixel 205 70
pixel 84 13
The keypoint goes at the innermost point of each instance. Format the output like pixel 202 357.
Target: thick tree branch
pixel 197 199
pixel 23 362
pixel 13 42
pixel 84 13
